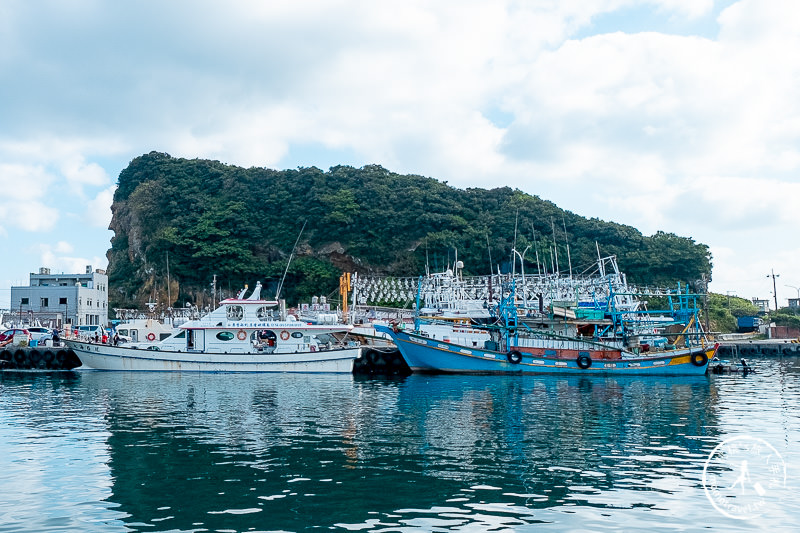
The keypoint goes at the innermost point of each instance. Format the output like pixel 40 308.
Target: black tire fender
pixel 699 358
pixel 514 357
pixel 584 361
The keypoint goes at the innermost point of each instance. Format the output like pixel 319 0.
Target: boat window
pixel 180 335
pixel 297 335
pixel 263 313
pixel 266 334
pixel 264 337
pixel 234 312
pixel 326 337
pixel 123 332
pixel 225 335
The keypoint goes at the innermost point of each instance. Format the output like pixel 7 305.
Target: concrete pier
pixel 765 348
pixel 38 358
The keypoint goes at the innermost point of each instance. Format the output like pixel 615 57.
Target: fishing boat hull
pixel 105 357
pixel 425 355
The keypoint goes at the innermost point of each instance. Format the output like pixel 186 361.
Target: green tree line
pixel 241 224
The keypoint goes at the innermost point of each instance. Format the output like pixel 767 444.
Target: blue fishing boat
pixel 623 342
pixel 426 355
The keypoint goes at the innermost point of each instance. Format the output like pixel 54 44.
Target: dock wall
pixel 758 349
pixel 44 358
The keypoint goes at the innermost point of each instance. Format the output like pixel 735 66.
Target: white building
pixel 56 299
pixel 763 305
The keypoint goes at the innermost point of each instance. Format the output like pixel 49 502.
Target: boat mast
pixel 566 239
pixel 488 247
pixel 536 249
pixel 289 262
pixel 555 245
pixel 514 246
pixel 169 293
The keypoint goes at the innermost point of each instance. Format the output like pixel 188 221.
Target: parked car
pixel 38 333
pixel 9 334
pixel 87 332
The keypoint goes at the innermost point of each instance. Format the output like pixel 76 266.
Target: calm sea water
pixel 108 452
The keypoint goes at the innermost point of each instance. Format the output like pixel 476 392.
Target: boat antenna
pixel 488 247
pixel 169 293
pixel 555 245
pixel 427 259
pixel 566 239
pixel 600 265
pixel 536 249
pixel 289 262
pixel 514 246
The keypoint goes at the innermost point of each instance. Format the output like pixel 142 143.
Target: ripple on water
pixel 162 452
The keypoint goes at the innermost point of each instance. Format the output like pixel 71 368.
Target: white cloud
pixel 63 247
pixel 691 9
pixel 78 172
pixel 692 134
pixel 98 212
pixel 58 259
pixel 23 195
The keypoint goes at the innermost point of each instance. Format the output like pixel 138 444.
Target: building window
pixel 62 301
pixel 88 302
pixel 45 302
pixel 23 301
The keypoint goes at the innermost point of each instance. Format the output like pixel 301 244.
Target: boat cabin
pixel 251 325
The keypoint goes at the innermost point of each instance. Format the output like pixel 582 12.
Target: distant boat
pixel 241 335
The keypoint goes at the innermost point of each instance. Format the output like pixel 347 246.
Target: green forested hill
pixel 241 224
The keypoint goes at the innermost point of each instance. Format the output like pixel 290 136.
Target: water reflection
pixel 105 451
pixel 246 452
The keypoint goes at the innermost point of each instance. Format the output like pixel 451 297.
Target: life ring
pixel 584 361
pixel 241 335
pixel 151 336
pixel 284 335
pixel 699 359
pixel 514 357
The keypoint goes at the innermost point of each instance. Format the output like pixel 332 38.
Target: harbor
pixel 400 267
pixel 382 361
pixel 128 451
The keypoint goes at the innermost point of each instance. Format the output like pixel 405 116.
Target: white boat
pixel 241 335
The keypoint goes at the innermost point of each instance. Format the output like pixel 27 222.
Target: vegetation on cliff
pixel 241 224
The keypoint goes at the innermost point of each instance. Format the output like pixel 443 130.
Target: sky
pixel 680 116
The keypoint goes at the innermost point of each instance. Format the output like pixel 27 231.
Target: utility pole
pixel 774 288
